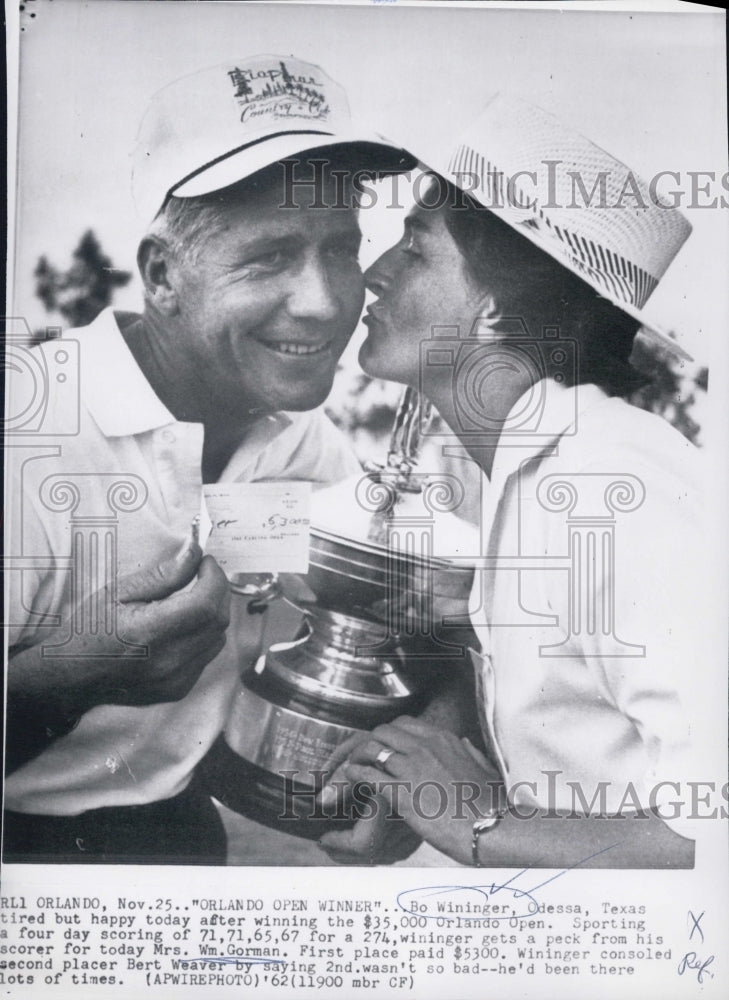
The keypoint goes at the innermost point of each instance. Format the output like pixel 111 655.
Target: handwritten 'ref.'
pixel 691 962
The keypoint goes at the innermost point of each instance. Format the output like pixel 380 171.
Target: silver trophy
pixel 372 640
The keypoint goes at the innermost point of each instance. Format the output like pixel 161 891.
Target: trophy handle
pixel 413 416
pixel 259 588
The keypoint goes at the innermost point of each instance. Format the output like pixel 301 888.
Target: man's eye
pixel 273 258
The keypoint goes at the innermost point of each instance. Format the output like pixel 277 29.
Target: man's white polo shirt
pixel 120 755
pixel 594 677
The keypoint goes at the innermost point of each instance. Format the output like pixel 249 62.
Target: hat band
pixel 622 280
pixel 239 149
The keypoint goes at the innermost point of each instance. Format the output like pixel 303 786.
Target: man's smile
pixel 294 348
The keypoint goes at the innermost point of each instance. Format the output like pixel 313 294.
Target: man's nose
pixel 313 296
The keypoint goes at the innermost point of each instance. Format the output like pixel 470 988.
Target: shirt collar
pixel 546 412
pixel 116 392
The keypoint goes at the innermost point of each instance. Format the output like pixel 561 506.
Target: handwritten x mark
pixel 696 924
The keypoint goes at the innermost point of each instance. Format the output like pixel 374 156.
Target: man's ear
pixel 156 266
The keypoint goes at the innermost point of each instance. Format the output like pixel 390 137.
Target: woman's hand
pixel 439 784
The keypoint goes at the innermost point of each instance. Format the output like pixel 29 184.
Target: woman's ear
pixel 156 266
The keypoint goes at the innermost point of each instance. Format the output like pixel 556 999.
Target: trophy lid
pixel 348 511
pixel 418 549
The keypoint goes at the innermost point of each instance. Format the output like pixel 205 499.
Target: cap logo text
pixel 277 93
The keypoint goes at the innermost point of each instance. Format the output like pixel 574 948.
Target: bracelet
pixel 479 827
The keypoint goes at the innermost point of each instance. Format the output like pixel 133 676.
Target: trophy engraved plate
pixel 369 644
pixel 271 736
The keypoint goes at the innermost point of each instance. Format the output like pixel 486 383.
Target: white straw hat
pixel 572 199
pixel 222 124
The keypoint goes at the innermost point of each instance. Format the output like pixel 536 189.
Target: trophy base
pixel 266 798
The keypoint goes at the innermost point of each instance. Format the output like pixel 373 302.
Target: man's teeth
pixel 292 348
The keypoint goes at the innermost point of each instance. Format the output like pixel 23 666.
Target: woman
pixel 586 609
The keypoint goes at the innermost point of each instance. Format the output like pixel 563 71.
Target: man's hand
pixel 182 631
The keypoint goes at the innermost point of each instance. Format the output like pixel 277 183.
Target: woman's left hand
pixel 439 784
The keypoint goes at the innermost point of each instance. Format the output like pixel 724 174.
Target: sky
pixel 646 86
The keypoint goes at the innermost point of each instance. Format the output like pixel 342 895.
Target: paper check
pixel 259 527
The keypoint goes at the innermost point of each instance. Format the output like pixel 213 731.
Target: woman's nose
pixel 378 276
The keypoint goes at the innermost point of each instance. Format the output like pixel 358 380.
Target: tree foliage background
pixel 80 292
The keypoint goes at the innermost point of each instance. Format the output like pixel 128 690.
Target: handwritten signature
pixel 483 893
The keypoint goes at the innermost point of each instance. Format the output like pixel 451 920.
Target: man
pixel 119 675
